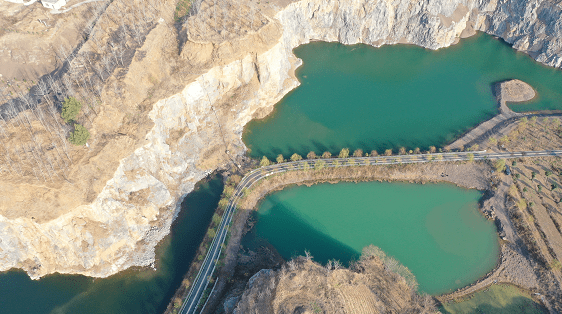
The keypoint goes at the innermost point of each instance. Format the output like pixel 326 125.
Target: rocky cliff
pixel 199 128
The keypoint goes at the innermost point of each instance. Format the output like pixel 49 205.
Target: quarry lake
pixel 133 291
pixel 435 230
pixel 401 95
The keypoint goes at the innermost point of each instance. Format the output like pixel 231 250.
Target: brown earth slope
pixel 370 286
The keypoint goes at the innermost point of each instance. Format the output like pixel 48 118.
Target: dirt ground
pixel 31 38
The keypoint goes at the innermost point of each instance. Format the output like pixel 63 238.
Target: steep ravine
pixel 135 209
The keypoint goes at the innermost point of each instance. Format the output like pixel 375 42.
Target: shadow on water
pixel 299 235
pixel 138 290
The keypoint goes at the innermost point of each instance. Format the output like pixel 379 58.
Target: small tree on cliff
pixel 265 162
pixel 80 135
pixel 70 109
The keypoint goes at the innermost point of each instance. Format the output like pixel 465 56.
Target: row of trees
pixel 345 153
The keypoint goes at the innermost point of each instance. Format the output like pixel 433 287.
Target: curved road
pixel 208 267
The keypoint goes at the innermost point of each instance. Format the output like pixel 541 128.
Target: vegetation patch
pixel 70 109
pixel 182 9
pixel 80 135
pixel 497 299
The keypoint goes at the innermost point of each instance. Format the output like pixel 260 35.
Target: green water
pixel 134 291
pixel 496 299
pixel 400 95
pixel 434 229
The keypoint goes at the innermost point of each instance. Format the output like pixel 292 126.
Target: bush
pixel 500 165
pixel 70 109
pixel 80 135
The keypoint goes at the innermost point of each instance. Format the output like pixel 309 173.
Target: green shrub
pixel 70 109
pixel 80 135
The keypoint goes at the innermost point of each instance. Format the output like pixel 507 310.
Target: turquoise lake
pixel 435 230
pixel 401 95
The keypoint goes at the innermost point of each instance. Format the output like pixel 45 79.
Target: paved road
pixel 209 264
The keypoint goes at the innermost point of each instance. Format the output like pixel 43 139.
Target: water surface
pixel 496 299
pixel 433 229
pixel 401 95
pixel 133 291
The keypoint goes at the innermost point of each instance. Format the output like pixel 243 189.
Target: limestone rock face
pixel 135 209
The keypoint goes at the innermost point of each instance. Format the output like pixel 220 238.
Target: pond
pixel 395 96
pixel 435 230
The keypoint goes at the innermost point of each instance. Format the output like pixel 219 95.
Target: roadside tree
pixel 500 165
pixel 388 152
pixel 296 157
pixel 358 153
pixel 344 153
pixel 311 155
pixel 327 155
pixel 265 162
pixel 280 159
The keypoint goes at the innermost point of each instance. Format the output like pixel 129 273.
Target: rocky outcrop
pixel 302 286
pixel 200 128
